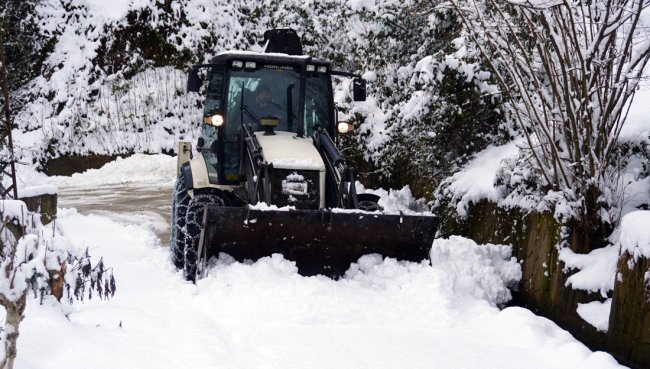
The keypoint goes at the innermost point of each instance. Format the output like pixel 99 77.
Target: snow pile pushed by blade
pixel 479 271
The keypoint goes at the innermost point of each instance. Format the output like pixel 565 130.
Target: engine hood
pixel 287 151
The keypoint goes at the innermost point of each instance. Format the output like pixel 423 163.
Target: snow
pixel 476 181
pixel 636 187
pixel 597 270
pixel 637 124
pixel 27 260
pixel 38 190
pixel 397 201
pixel 113 10
pixel 383 314
pixel 16 213
pixel 635 234
pixel 482 271
pixel 147 113
pixel 292 163
pixel 596 313
pixel 375 126
pixel 13 209
pixel 262 206
pixel 370 76
pixel 135 168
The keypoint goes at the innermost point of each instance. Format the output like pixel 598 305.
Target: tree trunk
pixel 15 315
pixel 8 126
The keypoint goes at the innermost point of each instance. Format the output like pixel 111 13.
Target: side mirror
pixel 193 80
pixel 359 89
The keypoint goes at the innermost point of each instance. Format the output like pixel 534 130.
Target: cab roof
pixel 271 58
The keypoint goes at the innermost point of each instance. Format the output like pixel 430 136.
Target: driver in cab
pixel 264 106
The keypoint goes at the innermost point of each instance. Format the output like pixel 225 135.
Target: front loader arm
pixel 254 168
pixel 343 175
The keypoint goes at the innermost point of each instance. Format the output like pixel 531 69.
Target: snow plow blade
pixel 319 241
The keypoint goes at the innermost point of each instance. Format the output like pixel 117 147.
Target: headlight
pixel 322 69
pixel 214 120
pixel 344 127
pixel 311 68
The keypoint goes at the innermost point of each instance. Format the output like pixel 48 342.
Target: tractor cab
pixel 268 93
pixel 279 90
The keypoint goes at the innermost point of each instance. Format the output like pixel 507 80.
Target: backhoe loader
pixel 267 176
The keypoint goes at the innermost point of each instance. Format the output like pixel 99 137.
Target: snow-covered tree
pixel 25 47
pixel 439 101
pixel 569 70
pixel 22 51
pixel 430 106
pixel 38 261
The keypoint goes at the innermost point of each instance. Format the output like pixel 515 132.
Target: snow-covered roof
pixel 268 57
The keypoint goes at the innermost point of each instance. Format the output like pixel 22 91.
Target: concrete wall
pixel 44 204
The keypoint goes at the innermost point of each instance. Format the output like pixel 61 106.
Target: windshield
pixel 273 92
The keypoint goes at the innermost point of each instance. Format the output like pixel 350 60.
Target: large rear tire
pixel 193 228
pixel 180 200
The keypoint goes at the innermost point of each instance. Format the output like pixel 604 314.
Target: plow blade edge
pixel 319 241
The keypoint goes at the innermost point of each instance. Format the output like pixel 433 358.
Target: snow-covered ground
pixel 383 314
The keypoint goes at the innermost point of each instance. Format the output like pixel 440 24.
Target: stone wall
pixel 68 165
pixel 542 288
pixel 629 320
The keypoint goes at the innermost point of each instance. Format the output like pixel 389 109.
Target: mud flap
pixel 319 241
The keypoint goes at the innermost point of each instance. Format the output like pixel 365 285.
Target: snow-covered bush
pixel 569 71
pixel 39 261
